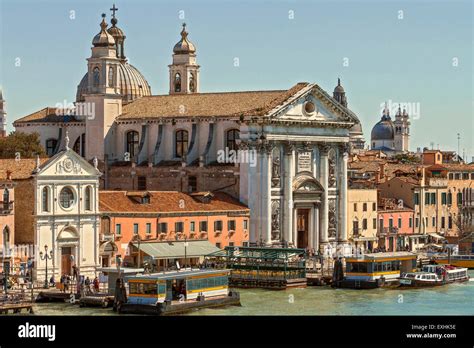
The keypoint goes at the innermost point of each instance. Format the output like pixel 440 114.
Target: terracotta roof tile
pixel 166 202
pixel 249 103
pixel 48 114
pixel 21 169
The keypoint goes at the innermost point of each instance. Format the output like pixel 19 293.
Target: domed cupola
pixel 339 94
pixel 108 69
pixel 117 33
pixel 184 72
pixel 184 46
pixel 383 133
pixel 103 39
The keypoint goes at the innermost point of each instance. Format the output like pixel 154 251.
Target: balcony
pixel 386 231
pixel 6 207
pixel 106 237
pixel 437 182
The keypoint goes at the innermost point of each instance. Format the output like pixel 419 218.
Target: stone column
pixel 342 237
pixel 266 193
pixel 287 222
pixel 311 228
pixel 294 229
pixel 254 198
pixel 323 151
pixel 316 228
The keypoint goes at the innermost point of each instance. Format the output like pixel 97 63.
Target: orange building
pixel 168 216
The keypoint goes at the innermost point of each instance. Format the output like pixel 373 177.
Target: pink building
pixel 7 223
pixel 395 226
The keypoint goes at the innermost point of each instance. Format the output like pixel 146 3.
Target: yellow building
pixel 362 217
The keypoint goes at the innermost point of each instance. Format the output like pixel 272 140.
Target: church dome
pixel 103 39
pixel 184 46
pixel 383 130
pixel 132 84
pixel 116 32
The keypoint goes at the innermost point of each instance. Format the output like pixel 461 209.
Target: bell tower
pixel 402 130
pixel 103 94
pixel 3 117
pixel 184 72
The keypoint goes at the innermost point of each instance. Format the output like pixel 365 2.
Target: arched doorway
pixel 68 247
pixel 307 193
pixel 107 252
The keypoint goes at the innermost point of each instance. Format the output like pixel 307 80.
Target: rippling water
pixel 455 299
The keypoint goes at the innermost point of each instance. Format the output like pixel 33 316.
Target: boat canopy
pixel 176 249
pixel 179 274
pixel 397 255
pixel 258 253
pixel 436 236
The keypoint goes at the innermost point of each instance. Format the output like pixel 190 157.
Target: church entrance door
pixel 303 228
pixel 66 262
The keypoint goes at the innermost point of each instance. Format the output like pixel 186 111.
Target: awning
pixel 177 249
pixel 436 236
pixel 365 239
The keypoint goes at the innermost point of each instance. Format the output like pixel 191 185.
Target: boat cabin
pixel 177 286
pixel 389 265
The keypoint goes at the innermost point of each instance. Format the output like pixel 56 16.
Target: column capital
pixel 265 147
pixel 289 147
pixel 345 148
pixel 324 148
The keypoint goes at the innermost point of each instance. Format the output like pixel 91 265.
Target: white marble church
pixel 296 188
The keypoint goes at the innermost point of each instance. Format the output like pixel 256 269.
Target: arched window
pixel 96 76
pixel 50 146
pixel 66 197
pixel 45 199
pixel 6 241
pixel 105 225
pixel 192 87
pixel 231 137
pixel 111 76
pixel 177 82
pixel 6 196
pixel 88 198
pixel 181 143
pixel 132 143
pixel 80 145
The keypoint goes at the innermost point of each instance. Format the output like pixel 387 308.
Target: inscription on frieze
pixel 304 161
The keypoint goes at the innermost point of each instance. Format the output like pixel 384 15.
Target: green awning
pixel 177 249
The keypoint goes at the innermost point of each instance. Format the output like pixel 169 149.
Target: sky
pixel 418 52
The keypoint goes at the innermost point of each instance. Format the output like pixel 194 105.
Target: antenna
pixel 459 142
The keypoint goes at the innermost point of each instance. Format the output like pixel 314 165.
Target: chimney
pixel 382 171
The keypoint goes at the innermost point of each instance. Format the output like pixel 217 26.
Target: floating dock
pixel 14 308
pixel 177 307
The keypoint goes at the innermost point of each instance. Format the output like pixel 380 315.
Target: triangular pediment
pixel 67 163
pixel 313 104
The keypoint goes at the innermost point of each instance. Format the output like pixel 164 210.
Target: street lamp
pixel 46 257
pixel 137 237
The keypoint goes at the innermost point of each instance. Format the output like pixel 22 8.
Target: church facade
pixel 283 153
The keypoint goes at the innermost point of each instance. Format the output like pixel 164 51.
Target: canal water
pixel 454 299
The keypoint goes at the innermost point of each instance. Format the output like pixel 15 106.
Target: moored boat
pixel 177 292
pixel 376 270
pixel 456 260
pixel 434 275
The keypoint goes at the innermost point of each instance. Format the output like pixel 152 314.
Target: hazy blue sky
pixel 402 60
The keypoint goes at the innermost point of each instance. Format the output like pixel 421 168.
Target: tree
pixel 27 145
pixel 407 158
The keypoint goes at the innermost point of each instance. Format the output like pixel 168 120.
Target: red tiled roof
pixel 20 169
pixel 47 114
pixel 166 202
pixel 248 103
